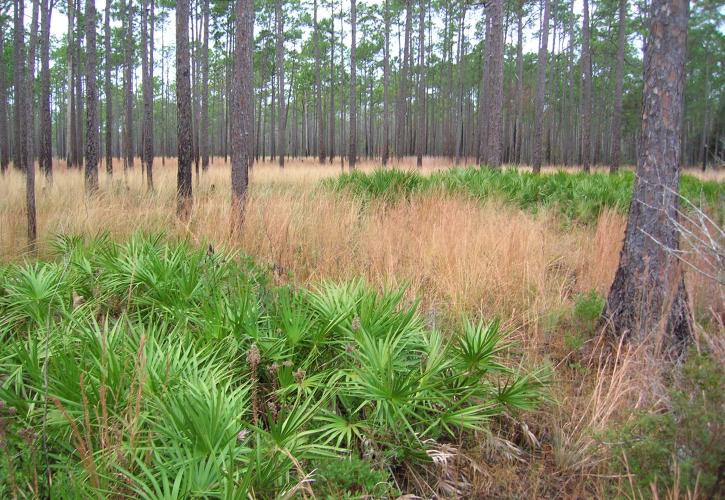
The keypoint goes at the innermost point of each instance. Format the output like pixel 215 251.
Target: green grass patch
pixel 176 372
pixel 576 196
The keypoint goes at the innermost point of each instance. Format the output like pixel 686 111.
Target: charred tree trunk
pixel 519 83
pixel 4 125
pixel 128 152
pixel 46 132
pixel 19 83
pixel 648 297
pixel 204 139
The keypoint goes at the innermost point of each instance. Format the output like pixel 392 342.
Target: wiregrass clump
pixel 577 196
pixel 160 370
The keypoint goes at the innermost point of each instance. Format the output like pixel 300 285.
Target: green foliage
pixel 690 435
pixel 168 371
pixel 353 477
pixel 579 196
pixel 588 307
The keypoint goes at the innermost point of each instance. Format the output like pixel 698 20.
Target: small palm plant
pixel 159 370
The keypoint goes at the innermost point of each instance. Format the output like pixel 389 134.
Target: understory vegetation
pixel 578 196
pixel 163 370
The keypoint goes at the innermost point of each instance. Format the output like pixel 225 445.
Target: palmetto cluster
pixel 159 370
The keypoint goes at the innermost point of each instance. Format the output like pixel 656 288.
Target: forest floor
pixel 457 256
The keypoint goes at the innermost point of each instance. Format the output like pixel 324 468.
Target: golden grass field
pixel 454 254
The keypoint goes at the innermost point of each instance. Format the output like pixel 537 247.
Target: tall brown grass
pixel 454 254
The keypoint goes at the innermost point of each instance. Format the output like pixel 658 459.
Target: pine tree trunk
pixel 401 105
pixel 30 97
pixel 242 110
pixel 420 139
pixel 386 84
pixel 92 139
pixel 279 57
pixel 352 143
pixel 205 91
pixel 128 152
pixel 108 89
pixel 587 92
pixel 495 94
pixel 21 145
pixel 318 91
pixel 4 125
pixel 183 111
pixel 618 85
pixel 148 97
pixel 519 82
pixel 648 299
pixel 70 96
pixel 540 90
pixel 331 110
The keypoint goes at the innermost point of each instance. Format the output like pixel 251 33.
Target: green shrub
pixel 690 435
pixel 578 196
pixel 352 477
pixel 178 372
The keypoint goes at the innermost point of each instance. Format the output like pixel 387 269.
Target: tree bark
pixel 30 97
pixel 587 88
pixel 108 89
pixel 279 57
pixel 540 90
pixel 183 111
pixel 148 98
pixel 128 152
pixel 21 145
pixel 242 110
pixel 4 125
pixel 331 120
pixel 495 93
pixel 648 299
pixel 352 146
pixel 401 105
pixel 318 91
pixel 420 139
pixel 386 84
pixel 70 96
pixel 519 83
pixel 618 88
pixel 92 140
pixel 204 139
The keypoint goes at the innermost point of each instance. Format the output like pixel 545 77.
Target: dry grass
pixel 454 254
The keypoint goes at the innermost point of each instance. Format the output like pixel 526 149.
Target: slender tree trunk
pixel 30 97
pixel 92 140
pixel 352 146
pixel 4 126
pixel 21 145
pixel 148 97
pixel 619 82
pixel 386 85
pixel 540 89
pixel 318 91
pixel 519 82
pixel 587 91
pixel 495 94
pixel 401 105
pixel 279 57
pixel 331 120
pixel 705 114
pixel 242 110
pixel 70 96
pixel 205 92
pixel 20 142
pixel 648 297
pixel 128 152
pixel 183 110
pixel 80 116
pixel 46 132
pixel 108 88
pixel 420 139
